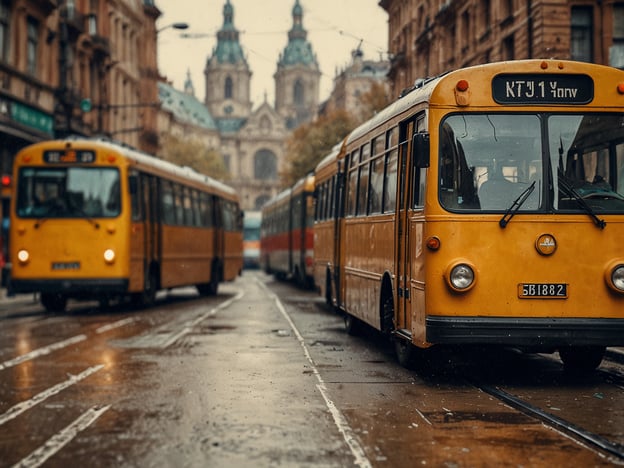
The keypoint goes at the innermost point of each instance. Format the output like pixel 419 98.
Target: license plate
pixel 66 266
pixel 543 291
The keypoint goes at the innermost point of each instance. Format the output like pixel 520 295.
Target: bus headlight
pixel 23 256
pixel 109 255
pixel 461 277
pixel 617 278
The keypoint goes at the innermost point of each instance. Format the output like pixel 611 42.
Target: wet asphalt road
pixel 261 375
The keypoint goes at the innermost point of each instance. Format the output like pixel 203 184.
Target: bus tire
pixel 54 302
pixel 328 290
pixel 581 359
pixel 352 324
pixel 212 287
pixel 405 352
pixel 147 297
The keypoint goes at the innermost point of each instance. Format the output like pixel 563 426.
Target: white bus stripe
pixel 42 351
pixel 339 420
pixel 18 409
pixel 60 439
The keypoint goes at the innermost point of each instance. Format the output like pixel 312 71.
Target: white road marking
pixel 188 327
pixel 60 439
pixel 42 351
pixel 339 420
pixel 18 409
pixel 112 326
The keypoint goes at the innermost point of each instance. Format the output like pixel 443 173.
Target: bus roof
pixel 144 160
pixel 440 90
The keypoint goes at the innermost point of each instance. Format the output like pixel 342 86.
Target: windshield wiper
pixel 515 206
pixel 601 223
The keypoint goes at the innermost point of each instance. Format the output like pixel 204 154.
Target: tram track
pixel 609 375
pixel 571 430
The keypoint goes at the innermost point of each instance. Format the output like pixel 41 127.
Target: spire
pixel 228 49
pixel 298 50
pixel 188 84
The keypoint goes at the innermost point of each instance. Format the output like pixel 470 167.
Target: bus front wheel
pixel 405 352
pixel 581 359
pixel 54 302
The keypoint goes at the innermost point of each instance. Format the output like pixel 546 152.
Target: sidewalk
pixel 16 303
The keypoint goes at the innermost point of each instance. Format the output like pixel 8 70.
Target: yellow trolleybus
pixel 92 219
pixel 486 206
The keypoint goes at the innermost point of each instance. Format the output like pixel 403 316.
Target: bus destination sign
pixel 69 156
pixel 542 89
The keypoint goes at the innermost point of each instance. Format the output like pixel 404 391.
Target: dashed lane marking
pixel 18 409
pixel 62 438
pixel 42 351
pixel 339 420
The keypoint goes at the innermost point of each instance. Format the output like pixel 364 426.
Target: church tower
pixel 227 73
pixel 297 76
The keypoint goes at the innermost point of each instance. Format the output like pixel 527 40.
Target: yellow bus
pixel 91 219
pixel 486 206
pixel 286 233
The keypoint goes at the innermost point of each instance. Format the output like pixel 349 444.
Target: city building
pixel 252 139
pixel 354 81
pixel 429 37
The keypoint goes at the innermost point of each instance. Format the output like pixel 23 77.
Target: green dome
pixel 228 49
pixel 298 51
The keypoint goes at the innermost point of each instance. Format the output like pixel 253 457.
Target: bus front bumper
pixel 70 287
pixel 528 332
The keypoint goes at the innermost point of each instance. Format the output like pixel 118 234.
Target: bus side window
pixel 135 197
pixel 390 182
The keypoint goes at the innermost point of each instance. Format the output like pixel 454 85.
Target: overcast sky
pixel 335 28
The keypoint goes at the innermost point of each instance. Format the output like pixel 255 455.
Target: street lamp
pixel 174 26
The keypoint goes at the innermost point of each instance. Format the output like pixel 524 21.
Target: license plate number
pixel 65 266
pixel 543 290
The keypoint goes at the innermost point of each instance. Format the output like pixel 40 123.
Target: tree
pixel 193 154
pixel 311 142
pixel 376 99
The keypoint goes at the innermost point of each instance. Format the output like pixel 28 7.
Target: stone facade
pixel 252 140
pixel 354 81
pixel 429 37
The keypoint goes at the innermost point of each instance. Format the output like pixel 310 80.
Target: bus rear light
pixel 462 85
pixel 433 243
pixel 23 256
pixel 620 88
pixel 109 255
pixel 460 277
pixel 617 278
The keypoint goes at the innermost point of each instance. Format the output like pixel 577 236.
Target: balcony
pixel 74 20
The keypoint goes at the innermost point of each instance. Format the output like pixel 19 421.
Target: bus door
pixel 402 266
pixel 152 232
pixel 339 224
pixel 409 227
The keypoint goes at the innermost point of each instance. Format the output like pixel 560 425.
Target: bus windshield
pixel 576 162
pixel 68 192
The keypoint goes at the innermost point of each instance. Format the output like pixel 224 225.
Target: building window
pixel 5 21
pixel 32 46
pixel 229 86
pixel 581 34
pixel 616 51
pixel 508 48
pixel 298 93
pixel 507 6
pixel 265 165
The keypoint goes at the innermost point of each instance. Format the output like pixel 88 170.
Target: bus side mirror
pixel 420 150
